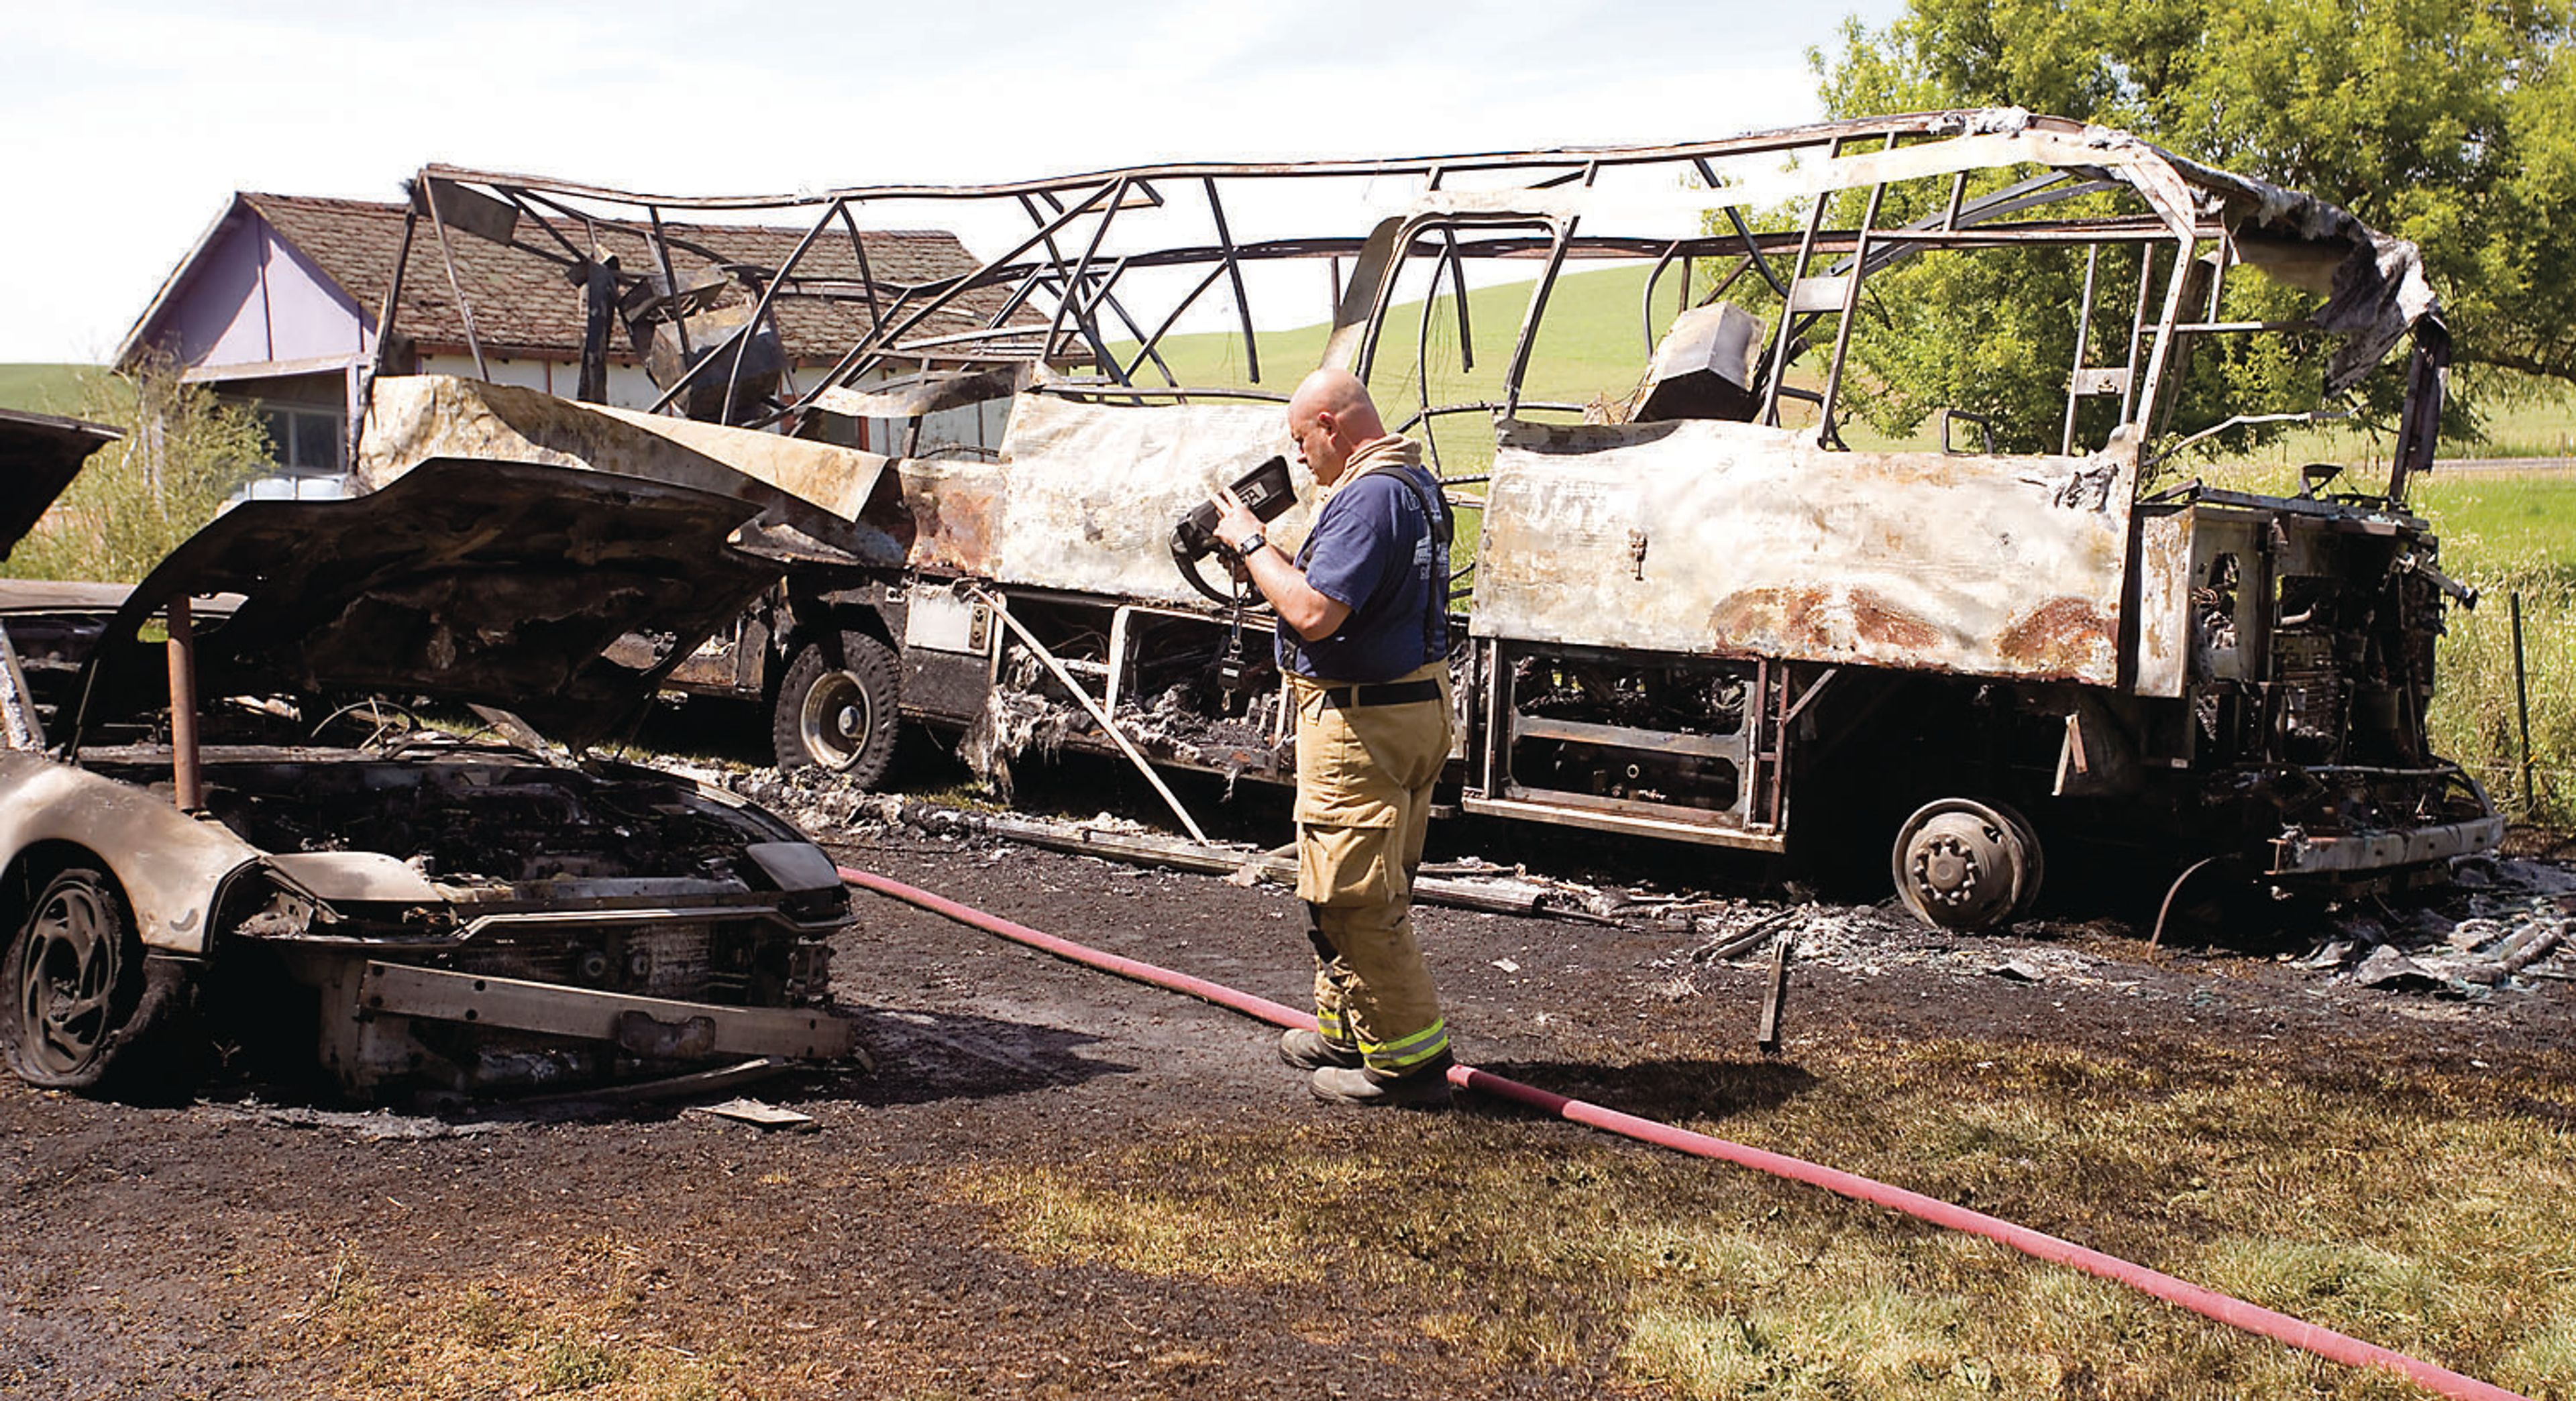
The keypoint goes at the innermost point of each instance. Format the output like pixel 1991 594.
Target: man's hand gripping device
pixel 1266 490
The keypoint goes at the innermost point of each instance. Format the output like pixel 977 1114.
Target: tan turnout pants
pixel 1364 780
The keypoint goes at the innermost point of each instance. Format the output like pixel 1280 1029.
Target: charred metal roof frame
pixel 1074 285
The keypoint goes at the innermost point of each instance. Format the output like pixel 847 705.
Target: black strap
pixel 1381 693
pixel 1435 622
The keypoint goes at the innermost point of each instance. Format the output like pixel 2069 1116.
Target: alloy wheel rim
pixel 67 975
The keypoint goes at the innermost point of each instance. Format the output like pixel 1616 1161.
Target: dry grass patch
pixel 2422 1210
pixel 570 1325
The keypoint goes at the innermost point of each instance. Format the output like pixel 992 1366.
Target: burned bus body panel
pixel 1091 491
pixel 950 515
pixel 1689 609
pixel 1696 537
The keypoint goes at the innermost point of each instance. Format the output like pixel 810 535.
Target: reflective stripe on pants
pixel 1364 780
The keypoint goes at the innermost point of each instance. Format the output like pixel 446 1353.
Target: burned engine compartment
pixel 2312 628
pixel 484 820
pixel 606 879
pixel 616 913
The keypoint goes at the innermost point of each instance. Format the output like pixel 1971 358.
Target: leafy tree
pixel 183 452
pixel 2451 123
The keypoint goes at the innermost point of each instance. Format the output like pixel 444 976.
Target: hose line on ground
pixel 2208 1303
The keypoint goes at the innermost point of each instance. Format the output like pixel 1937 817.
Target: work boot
pixel 1310 1050
pixel 1427 1088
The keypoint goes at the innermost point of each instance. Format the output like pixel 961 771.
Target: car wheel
pixel 838 715
pixel 73 976
pixel 1966 865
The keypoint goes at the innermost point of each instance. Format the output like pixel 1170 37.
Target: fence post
pixel 2522 708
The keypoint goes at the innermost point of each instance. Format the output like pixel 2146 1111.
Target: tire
pixel 1966 866
pixel 838 714
pixel 73 979
pixel 2033 856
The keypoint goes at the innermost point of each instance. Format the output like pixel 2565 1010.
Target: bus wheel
pixel 1966 865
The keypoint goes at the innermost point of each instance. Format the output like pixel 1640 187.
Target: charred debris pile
pixel 2501 928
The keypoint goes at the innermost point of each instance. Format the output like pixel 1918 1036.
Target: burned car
pixel 207 840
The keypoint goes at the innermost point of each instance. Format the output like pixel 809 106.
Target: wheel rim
pixel 66 979
pixel 835 720
pixel 1963 865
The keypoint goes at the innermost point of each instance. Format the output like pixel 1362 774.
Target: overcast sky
pixel 127 124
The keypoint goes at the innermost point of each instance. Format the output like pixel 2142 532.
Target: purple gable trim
pixel 250 298
pixel 309 316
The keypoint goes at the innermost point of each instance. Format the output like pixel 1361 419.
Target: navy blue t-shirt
pixel 1373 550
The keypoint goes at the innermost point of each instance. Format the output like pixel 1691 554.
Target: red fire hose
pixel 2324 1342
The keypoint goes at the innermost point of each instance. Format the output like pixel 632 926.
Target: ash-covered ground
pixel 244 1243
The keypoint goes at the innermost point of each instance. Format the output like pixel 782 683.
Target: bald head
pixel 1331 417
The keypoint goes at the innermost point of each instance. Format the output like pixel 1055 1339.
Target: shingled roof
pixel 524 305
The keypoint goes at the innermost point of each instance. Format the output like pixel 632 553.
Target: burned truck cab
pixel 2286 660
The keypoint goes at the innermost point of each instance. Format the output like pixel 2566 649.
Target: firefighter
pixel 1363 638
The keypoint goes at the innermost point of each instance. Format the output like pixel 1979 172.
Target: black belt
pixel 1381 693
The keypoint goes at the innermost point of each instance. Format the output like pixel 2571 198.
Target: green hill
pixel 1592 347
pixel 1593 344
pixel 55 389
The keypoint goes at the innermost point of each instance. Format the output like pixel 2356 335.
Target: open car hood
pixel 39 456
pixel 497 583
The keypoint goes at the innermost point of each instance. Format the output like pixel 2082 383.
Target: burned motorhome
pixel 207 842
pixel 1700 607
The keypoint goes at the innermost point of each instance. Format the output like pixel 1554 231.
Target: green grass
pixel 2509 535
pixel 569 1321
pixel 2503 526
pixel 54 389
pixel 2545 427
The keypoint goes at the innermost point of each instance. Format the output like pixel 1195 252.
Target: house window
pixel 302 439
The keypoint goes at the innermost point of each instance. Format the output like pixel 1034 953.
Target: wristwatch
pixel 1251 545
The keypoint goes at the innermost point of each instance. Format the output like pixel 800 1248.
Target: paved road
pixel 2531 466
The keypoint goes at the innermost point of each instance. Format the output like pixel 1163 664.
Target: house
pixel 277 307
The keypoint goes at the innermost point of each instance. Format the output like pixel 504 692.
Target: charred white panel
pixel 941 621
pixel 413 418
pixel 1727 538
pixel 2164 603
pixel 1093 490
